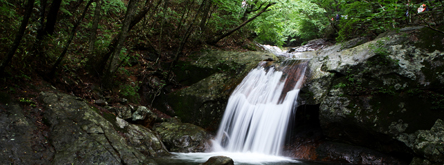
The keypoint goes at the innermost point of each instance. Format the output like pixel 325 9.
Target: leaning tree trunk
pixel 52 18
pixel 217 39
pixel 205 14
pixel 179 50
pixel 101 68
pixel 71 37
pixel 18 37
pixel 132 6
pixel 95 25
pixel 42 18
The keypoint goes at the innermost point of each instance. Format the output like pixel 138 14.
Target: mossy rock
pixel 212 76
pixel 182 137
pixel 379 92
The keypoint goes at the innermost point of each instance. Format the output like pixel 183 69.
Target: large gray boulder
pixel 379 92
pixel 80 135
pixel 21 142
pixel 183 137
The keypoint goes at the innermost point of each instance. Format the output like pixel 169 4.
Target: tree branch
pixel 217 39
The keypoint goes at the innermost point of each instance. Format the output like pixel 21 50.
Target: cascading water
pixel 256 118
pixel 258 111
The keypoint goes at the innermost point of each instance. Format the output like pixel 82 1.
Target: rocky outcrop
pixel 182 137
pixel 213 76
pixel 20 140
pixel 80 135
pixel 428 144
pixel 380 94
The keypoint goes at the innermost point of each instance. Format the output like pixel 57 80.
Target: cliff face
pixel 386 94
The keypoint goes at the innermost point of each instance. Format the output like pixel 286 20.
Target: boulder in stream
pixel 219 160
pixel 182 137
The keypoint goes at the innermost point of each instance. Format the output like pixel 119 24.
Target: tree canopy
pixel 102 39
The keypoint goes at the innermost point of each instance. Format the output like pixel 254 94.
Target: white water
pixel 256 117
pixel 273 49
pixel 238 158
pixel 299 53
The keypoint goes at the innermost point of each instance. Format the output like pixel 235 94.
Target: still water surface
pixel 239 159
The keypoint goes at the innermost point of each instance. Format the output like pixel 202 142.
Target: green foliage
pixel 10 22
pixel 228 15
pixel 302 18
pixel 113 7
pixel 6 9
pixel 27 101
pixel 379 48
pixel 382 51
pixel 311 31
pixel 130 91
pixel 340 85
pixel 437 101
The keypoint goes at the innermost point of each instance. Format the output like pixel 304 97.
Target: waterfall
pixel 259 109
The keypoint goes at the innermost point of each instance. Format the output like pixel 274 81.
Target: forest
pixel 137 81
pixel 112 46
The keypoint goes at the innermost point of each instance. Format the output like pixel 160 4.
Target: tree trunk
pixel 95 25
pixel 71 37
pixel 217 39
pixel 42 19
pixel 179 51
pixel 161 29
pixel 52 18
pixel 113 46
pixel 132 6
pixel 140 16
pixel 187 10
pixel 183 42
pixel 207 6
pixel 18 36
pixel 136 20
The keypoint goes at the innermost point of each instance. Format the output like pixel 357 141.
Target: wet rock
pixel 81 136
pixel 311 45
pixel 219 160
pixel 211 76
pixel 145 141
pixel 429 144
pixel 123 101
pixel 378 94
pixel 20 140
pixel 123 112
pixel 338 152
pixel 420 161
pixel 100 102
pixel 143 113
pixel 182 137
pixel 121 123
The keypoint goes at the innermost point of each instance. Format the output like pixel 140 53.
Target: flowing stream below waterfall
pixel 256 119
pixel 238 158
